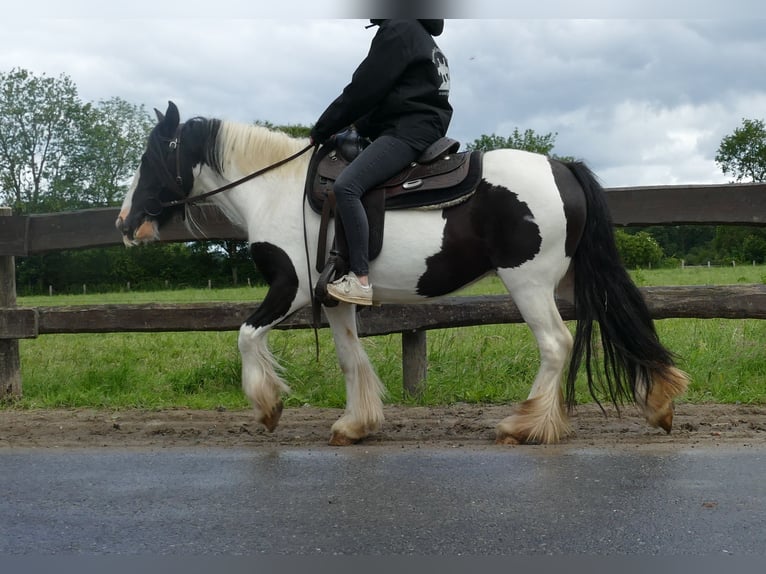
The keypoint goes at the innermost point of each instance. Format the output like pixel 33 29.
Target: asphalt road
pixel 383 501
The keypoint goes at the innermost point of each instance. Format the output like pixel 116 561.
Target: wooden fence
pixel 731 204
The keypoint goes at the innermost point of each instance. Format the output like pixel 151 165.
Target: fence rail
pixel 726 204
pixel 701 302
pixel 730 204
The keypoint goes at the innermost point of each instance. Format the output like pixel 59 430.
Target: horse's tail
pixel 634 358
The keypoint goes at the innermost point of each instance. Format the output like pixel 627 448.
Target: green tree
pixel 638 249
pixel 57 152
pixel 743 153
pixel 293 130
pixel 740 243
pixel 39 124
pixel 113 133
pixel 527 141
pixel 681 241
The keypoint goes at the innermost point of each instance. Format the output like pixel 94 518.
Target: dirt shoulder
pixel 453 426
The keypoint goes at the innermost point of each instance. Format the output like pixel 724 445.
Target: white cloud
pixel 642 101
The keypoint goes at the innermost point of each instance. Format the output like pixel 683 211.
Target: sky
pixel 642 92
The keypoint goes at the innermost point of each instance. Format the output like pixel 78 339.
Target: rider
pixel 398 98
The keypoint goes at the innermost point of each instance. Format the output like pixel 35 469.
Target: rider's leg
pixel 382 159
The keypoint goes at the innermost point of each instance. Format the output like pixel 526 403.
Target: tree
pixel 743 153
pixel 527 141
pixel 39 123
pixel 57 152
pixel 293 130
pixel 113 133
pixel 691 243
pixel 638 249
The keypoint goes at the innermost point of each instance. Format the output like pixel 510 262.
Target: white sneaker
pixel 350 290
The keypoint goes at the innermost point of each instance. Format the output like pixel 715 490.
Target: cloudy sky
pixel 642 92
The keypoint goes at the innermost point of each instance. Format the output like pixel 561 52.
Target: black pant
pixel 382 159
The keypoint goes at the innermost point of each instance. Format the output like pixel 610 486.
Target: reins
pixel 198 198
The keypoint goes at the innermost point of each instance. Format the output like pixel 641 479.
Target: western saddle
pixel 440 178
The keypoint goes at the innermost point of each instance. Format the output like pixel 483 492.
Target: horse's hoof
pixel 664 420
pixel 535 421
pixel 507 439
pixel 340 439
pixel 271 420
pixel 659 405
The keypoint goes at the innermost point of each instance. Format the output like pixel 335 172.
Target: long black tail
pixel 605 294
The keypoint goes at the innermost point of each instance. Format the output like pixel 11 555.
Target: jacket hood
pixel 433 27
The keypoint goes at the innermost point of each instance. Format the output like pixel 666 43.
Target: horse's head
pixel 163 176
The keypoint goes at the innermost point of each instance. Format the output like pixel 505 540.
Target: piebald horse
pixel 540 224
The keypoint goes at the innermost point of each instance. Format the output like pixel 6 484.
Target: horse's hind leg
pixel 364 391
pixel 541 418
pixel 657 403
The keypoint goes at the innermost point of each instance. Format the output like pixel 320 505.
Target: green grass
pixel 701 275
pixel 137 297
pixel 484 364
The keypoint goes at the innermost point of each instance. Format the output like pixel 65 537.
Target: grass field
pixel 489 364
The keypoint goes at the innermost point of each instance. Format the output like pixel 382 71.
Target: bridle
pixel 175 184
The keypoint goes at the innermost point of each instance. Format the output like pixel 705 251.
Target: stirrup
pixel 334 265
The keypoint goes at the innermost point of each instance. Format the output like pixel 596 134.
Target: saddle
pixel 440 178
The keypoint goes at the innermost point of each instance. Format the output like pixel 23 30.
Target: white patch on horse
pixel 410 238
pixel 529 176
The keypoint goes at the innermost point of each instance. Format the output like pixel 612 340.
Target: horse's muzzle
pixel 147 232
pixel 127 238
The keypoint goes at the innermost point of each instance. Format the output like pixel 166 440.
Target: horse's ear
pixel 169 121
pixel 172 113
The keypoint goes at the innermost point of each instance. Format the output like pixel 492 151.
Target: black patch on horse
pixel 279 272
pixel 492 229
pixel 575 207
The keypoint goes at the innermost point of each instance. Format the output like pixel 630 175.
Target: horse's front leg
pixel 260 381
pixel 364 391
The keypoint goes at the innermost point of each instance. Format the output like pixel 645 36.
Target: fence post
pixel 414 362
pixel 10 364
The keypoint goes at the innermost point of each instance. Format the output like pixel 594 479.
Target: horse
pixel 541 225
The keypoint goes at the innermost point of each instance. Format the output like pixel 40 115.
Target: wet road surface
pixel 406 501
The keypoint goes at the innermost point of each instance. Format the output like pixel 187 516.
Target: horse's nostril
pixel 123 228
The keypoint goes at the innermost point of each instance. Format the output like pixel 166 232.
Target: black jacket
pixel 400 89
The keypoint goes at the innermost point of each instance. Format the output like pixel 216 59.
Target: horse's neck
pixel 245 149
